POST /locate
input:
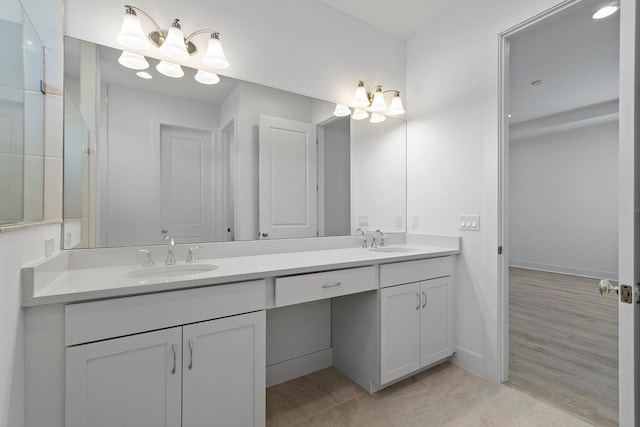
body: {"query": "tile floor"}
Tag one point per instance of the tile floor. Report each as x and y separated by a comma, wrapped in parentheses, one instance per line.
(445, 395)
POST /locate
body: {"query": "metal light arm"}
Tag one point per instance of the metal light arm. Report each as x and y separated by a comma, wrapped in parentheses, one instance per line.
(195, 33)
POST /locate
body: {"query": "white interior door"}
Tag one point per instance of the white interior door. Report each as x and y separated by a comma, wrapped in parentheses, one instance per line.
(186, 184)
(288, 178)
(629, 218)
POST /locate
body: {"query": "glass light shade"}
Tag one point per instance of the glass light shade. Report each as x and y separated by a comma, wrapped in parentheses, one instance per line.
(396, 107)
(174, 46)
(214, 56)
(133, 60)
(144, 75)
(131, 35)
(360, 98)
(605, 11)
(206, 77)
(170, 69)
(378, 103)
(359, 114)
(341, 110)
(377, 118)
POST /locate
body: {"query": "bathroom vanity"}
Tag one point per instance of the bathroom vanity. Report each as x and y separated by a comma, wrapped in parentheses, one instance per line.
(111, 343)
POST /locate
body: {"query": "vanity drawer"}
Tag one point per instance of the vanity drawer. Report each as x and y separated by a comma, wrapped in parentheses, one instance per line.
(414, 271)
(329, 284)
(110, 318)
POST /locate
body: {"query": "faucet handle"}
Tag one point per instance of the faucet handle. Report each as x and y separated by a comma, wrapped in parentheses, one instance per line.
(190, 256)
(148, 261)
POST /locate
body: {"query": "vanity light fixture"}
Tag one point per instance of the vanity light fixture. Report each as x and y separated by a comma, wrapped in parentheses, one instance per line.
(605, 11)
(374, 102)
(171, 43)
(206, 77)
(170, 69)
(133, 61)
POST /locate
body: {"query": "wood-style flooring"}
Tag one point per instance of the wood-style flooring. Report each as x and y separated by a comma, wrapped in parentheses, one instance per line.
(445, 395)
(563, 339)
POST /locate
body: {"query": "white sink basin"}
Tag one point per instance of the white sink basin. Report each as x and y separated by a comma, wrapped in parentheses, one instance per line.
(392, 249)
(171, 270)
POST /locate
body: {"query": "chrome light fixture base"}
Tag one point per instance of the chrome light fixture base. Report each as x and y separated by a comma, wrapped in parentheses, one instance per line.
(158, 38)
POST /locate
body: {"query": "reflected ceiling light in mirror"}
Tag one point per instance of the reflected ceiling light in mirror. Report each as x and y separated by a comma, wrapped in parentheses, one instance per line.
(171, 43)
(396, 108)
(378, 104)
(133, 60)
(377, 118)
(170, 69)
(359, 114)
(144, 75)
(341, 110)
(605, 11)
(206, 77)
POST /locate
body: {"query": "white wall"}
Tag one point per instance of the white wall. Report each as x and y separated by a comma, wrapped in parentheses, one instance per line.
(133, 176)
(451, 100)
(303, 46)
(564, 202)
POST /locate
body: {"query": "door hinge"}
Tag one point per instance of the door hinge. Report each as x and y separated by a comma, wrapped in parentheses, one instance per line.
(499, 250)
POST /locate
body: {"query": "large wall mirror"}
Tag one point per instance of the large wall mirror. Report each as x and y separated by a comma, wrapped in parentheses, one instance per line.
(21, 118)
(221, 162)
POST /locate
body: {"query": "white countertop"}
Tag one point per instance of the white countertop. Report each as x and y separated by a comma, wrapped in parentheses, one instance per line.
(84, 284)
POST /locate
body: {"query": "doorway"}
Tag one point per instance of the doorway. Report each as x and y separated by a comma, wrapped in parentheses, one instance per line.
(560, 200)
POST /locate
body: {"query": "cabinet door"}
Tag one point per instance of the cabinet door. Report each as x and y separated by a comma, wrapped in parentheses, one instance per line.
(436, 321)
(224, 372)
(399, 331)
(126, 382)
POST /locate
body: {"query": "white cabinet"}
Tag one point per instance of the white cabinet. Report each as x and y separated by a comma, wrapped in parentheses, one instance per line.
(415, 326)
(202, 374)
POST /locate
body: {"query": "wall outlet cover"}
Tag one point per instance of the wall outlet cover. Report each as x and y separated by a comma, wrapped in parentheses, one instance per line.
(414, 221)
(49, 246)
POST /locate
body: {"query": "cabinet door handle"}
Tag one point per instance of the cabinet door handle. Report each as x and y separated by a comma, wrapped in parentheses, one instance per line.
(418, 298)
(331, 285)
(424, 304)
(174, 348)
(190, 354)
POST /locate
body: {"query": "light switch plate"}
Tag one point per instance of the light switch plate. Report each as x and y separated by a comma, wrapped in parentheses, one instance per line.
(414, 221)
(363, 221)
(469, 222)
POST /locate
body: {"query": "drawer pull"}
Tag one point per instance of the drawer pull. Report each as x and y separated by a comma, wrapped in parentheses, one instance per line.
(331, 285)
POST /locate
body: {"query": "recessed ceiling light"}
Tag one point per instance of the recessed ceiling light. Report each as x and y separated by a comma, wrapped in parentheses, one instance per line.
(144, 75)
(509, 115)
(605, 11)
(536, 82)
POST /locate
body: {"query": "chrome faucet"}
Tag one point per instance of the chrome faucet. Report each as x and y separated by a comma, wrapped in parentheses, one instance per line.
(170, 245)
(374, 243)
(363, 239)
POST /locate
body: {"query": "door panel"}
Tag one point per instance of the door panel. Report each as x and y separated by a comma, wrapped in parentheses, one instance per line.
(126, 382)
(435, 322)
(288, 178)
(224, 372)
(399, 331)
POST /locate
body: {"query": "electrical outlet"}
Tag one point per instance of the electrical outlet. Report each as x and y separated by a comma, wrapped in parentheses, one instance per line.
(363, 221)
(48, 246)
(67, 240)
(398, 220)
(469, 222)
(414, 221)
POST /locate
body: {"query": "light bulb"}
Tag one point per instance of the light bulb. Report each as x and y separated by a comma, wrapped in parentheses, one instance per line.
(214, 57)
(341, 110)
(133, 60)
(605, 11)
(377, 118)
(360, 98)
(170, 69)
(206, 77)
(378, 103)
(359, 114)
(396, 107)
(131, 35)
(174, 46)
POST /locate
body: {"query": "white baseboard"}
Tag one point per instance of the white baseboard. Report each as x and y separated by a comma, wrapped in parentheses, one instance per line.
(303, 365)
(468, 360)
(563, 269)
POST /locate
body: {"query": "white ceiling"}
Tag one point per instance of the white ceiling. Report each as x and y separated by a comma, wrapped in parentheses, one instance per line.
(575, 56)
(400, 18)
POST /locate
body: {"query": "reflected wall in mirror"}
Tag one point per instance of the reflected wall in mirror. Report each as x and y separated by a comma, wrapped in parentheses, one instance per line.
(222, 162)
(21, 118)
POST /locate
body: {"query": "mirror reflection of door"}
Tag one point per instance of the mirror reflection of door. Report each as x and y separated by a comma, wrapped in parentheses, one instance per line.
(186, 184)
(288, 180)
(563, 216)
